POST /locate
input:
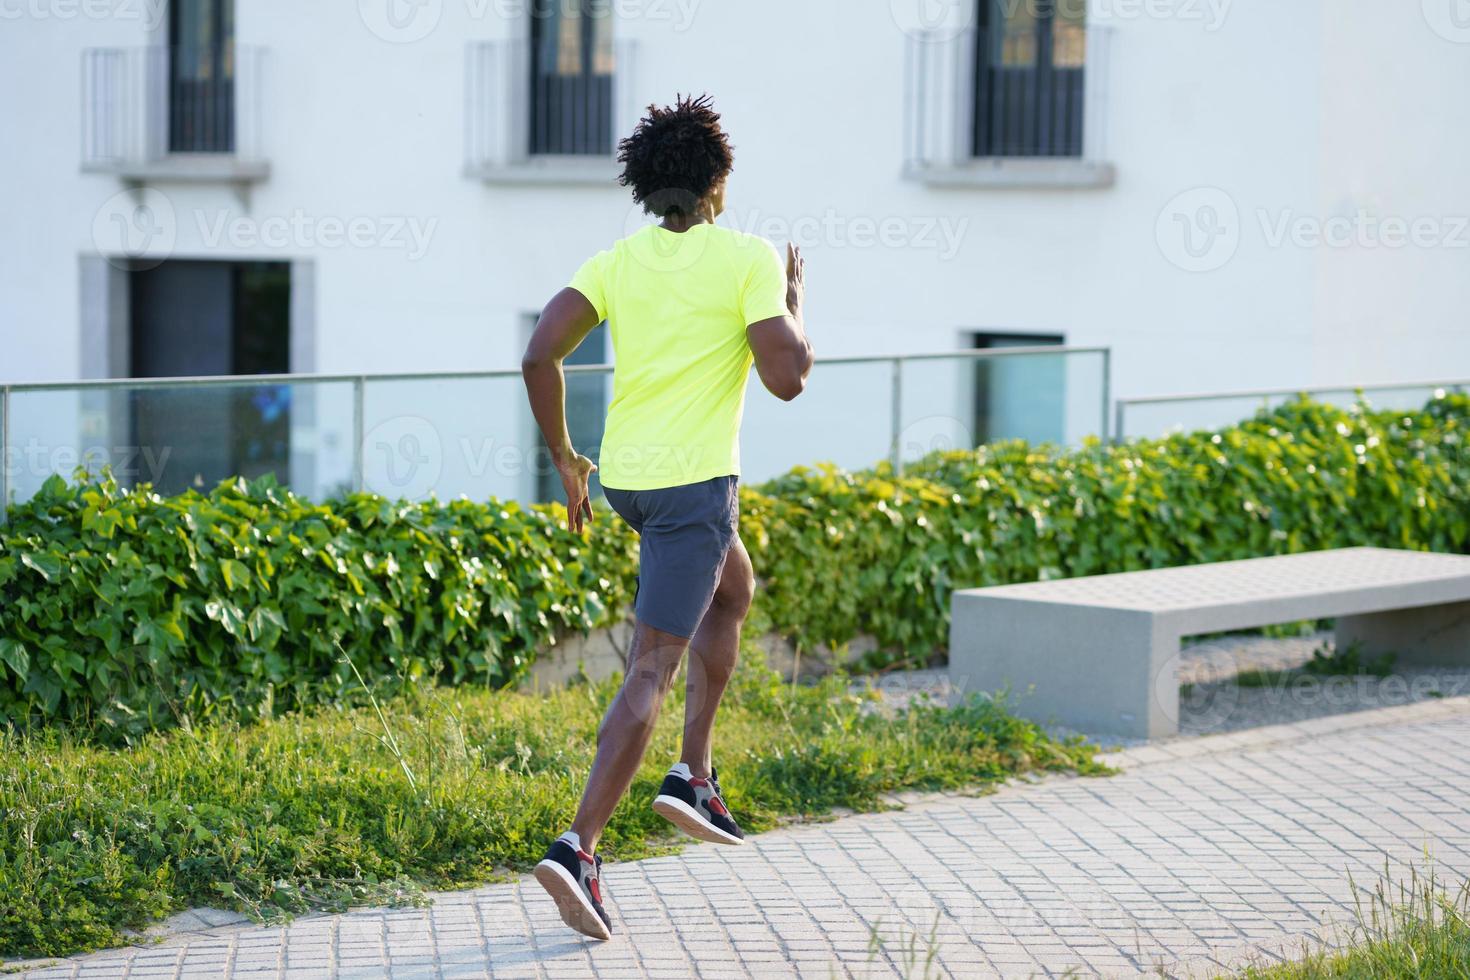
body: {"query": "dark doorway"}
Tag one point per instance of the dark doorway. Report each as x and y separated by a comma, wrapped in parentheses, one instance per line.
(201, 76)
(571, 77)
(204, 319)
(1022, 397)
(1029, 78)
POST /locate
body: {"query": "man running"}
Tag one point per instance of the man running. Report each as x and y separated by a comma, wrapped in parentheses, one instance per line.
(690, 306)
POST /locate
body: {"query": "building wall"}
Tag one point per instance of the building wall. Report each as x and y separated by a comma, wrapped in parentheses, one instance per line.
(1393, 141)
(1309, 110)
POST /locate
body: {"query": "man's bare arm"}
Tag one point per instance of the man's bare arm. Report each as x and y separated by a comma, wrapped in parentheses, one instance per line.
(783, 355)
(565, 323)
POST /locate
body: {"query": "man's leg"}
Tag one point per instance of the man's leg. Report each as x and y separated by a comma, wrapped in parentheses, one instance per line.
(623, 737)
(713, 652)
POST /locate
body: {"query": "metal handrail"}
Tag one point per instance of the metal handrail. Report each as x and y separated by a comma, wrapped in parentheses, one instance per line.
(258, 379)
(1123, 404)
(4, 452)
(359, 383)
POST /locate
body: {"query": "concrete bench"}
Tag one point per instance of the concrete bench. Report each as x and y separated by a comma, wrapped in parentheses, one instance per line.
(1101, 653)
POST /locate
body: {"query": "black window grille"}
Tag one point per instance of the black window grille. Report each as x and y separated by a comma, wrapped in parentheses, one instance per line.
(1030, 78)
(572, 62)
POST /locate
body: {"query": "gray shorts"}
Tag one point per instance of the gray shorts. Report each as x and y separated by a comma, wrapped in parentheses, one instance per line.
(684, 534)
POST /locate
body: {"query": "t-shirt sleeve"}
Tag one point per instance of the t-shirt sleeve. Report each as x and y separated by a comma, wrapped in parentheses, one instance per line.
(764, 295)
(589, 281)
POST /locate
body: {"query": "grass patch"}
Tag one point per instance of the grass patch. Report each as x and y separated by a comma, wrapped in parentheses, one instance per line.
(437, 788)
(1412, 928)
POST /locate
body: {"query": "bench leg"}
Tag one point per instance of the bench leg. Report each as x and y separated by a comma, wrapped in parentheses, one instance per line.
(1093, 670)
(1430, 635)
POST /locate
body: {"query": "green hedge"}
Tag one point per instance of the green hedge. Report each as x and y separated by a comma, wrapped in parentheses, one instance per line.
(133, 610)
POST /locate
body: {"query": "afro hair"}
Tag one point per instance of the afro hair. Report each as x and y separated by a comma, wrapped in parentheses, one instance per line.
(676, 156)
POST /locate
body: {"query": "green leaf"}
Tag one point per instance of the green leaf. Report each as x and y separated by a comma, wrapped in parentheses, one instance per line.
(47, 566)
(266, 626)
(103, 523)
(228, 615)
(234, 573)
(13, 654)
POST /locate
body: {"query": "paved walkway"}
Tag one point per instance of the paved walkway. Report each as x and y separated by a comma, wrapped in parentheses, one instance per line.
(1204, 854)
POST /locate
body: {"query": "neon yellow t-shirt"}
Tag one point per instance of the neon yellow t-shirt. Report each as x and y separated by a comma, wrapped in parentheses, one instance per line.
(677, 305)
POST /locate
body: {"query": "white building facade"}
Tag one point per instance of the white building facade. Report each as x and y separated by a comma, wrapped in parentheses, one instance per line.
(1226, 193)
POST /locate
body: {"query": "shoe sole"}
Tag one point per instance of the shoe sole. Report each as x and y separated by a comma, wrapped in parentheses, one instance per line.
(683, 816)
(575, 910)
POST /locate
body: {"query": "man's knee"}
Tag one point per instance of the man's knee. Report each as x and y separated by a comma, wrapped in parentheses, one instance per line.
(655, 660)
(736, 590)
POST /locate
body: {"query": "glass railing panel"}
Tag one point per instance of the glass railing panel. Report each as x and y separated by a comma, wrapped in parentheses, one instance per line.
(1156, 417)
(177, 436)
(473, 435)
(843, 417)
(964, 402)
(465, 436)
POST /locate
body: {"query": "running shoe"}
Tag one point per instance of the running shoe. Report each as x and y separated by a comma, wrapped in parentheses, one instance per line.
(570, 876)
(697, 807)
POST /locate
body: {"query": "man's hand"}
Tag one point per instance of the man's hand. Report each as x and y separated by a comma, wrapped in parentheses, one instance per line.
(574, 476)
(795, 280)
(567, 319)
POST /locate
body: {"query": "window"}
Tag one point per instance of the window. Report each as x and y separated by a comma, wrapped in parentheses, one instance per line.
(1030, 78)
(586, 414)
(199, 318)
(571, 77)
(1020, 397)
(201, 76)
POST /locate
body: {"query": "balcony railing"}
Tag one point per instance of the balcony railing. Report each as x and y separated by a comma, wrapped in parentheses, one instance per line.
(556, 127)
(157, 111)
(1006, 108)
